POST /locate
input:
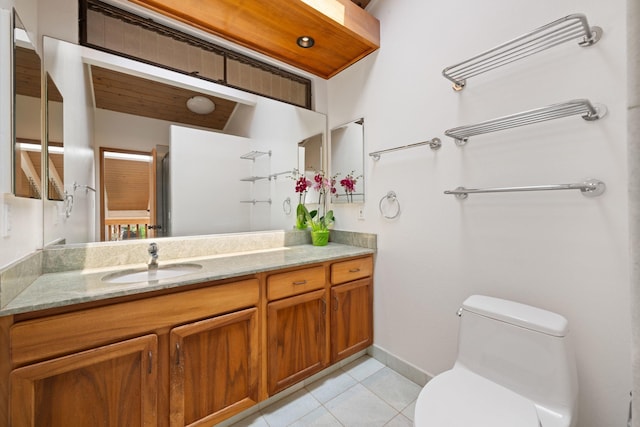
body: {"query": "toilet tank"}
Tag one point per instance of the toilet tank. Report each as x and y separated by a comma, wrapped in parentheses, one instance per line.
(523, 348)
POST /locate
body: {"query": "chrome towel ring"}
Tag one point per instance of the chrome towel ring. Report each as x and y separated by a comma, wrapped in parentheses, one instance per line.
(286, 206)
(391, 198)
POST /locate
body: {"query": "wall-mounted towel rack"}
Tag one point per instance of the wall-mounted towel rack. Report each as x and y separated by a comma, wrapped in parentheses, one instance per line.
(588, 188)
(252, 155)
(253, 202)
(434, 144)
(253, 178)
(584, 107)
(557, 32)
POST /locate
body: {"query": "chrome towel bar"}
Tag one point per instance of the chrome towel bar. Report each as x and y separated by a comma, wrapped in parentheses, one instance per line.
(584, 107)
(253, 202)
(557, 32)
(434, 144)
(588, 188)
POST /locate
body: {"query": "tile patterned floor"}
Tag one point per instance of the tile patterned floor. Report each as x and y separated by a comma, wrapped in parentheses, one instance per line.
(362, 393)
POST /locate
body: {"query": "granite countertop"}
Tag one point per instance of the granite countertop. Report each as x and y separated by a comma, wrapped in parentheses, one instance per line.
(60, 289)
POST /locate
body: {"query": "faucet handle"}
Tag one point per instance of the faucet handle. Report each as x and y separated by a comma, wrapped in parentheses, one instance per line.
(153, 249)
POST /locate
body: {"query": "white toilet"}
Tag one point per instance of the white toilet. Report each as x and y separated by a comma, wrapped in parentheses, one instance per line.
(515, 368)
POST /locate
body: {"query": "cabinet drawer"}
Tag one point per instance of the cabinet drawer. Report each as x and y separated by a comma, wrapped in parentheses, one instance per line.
(347, 271)
(295, 282)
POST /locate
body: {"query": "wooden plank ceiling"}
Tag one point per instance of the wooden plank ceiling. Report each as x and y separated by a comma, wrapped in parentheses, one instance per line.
(343, 32)
(142, 97)
(27, 75)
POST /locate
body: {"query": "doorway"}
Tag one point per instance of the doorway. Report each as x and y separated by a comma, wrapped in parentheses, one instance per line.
(127, 194)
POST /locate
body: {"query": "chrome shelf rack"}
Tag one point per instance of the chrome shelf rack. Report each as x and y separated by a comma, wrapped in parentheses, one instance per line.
(565, 29)
(588, 188)
(588, 111)
(433, 143)
(277, 174)
(252, 155)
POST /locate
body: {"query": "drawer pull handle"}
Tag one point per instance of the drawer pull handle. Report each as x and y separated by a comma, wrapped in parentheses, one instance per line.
(354, 270)
(300, 282)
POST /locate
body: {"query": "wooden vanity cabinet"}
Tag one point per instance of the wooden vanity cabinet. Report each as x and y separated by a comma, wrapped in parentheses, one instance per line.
(113, 385)
(214, 368)
(303, 335)
(116, 365)
(296, 326)
(351, 307)
(190, 357)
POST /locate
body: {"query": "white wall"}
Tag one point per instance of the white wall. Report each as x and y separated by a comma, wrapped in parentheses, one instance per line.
(205, 173)
(556, 250)
(63, 62)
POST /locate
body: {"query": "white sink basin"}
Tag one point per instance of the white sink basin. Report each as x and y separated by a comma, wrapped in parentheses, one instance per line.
(146, 275)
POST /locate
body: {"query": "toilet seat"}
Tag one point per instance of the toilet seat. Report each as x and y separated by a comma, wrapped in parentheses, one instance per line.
(460, 398)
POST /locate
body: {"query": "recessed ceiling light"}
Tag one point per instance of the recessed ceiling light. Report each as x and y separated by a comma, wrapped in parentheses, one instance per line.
(200, 105)
(305, 41)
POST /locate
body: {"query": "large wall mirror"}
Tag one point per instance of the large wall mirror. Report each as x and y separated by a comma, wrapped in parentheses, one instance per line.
(27, 147)
(217, 181)
(55, 141)
(347, 162)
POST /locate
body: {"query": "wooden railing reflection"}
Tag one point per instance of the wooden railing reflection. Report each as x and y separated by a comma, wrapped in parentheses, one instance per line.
(126, 228)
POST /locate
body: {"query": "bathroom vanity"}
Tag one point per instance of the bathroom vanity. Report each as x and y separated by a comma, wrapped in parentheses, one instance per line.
(192, 350)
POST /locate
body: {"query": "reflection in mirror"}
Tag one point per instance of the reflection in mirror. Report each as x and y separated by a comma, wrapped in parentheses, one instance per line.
(55, 144)
(310, 162)
(116, 105)
(27, 151)
(126, 194)
(347, 162)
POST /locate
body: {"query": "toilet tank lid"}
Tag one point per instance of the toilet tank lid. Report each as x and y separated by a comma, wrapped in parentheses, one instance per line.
(518, 314)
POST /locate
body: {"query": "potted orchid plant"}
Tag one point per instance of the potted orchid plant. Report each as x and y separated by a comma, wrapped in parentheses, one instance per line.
(302, 186)
(318, 223)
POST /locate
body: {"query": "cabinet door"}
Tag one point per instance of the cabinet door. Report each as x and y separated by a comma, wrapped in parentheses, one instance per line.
(109, 386)
(214, 368)
(296, 339)
(351, 318)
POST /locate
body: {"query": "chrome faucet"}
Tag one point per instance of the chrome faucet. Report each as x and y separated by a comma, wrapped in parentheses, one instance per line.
(153, 261)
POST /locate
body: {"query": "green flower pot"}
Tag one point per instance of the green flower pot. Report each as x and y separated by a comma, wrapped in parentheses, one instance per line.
(320, 238)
